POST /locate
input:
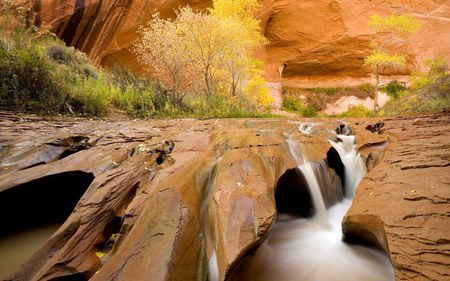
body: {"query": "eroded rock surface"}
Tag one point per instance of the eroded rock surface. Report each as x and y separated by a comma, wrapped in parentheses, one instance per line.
(403, 204)
(211, 193)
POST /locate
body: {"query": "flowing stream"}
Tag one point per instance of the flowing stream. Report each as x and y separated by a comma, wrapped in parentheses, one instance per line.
(299, 249)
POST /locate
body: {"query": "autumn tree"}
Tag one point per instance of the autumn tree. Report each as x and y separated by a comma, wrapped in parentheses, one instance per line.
(207, 52)
(388, 30)
(160, 50)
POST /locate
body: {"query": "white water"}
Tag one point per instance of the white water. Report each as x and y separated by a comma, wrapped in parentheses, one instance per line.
(355, 169)
(305, 250)
(316, 194)
(213, 268)
(312, 249)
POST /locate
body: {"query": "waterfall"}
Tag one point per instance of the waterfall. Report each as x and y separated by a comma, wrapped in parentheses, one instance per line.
(314, 189)
(206, 224)
(355, 169)
(300, 249)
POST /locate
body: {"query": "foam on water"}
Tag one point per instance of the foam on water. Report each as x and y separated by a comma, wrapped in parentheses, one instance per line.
(305, 250)
(355, 168)
(300, 249)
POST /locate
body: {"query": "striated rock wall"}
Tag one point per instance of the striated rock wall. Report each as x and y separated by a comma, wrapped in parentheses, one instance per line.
(311, 41)
(314, 41)
(328, 40)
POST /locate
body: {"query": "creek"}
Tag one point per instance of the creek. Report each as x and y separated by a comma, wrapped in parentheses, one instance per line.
(313, 249)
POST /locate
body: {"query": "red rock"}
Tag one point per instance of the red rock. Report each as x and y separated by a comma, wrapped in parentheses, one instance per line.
(311, 41)
(215, 192)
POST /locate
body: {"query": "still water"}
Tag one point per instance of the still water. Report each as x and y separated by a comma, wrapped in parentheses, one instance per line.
(16, 248)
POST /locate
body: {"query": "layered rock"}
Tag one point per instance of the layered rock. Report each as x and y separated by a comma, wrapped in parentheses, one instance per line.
(151, 209)
(402, 205)
(310, 41)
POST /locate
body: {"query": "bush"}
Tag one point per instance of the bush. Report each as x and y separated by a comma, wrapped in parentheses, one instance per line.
(59, 54)
(27, 81)
(429, 98)
(358, 111)
(394, 88)
(437, 66)
(292, 104)
(309, 111)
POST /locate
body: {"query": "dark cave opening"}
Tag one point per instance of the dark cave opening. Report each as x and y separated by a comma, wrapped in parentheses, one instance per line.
(292, 195)
(47, 200)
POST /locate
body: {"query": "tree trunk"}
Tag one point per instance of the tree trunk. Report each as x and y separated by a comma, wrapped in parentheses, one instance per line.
(376, 107)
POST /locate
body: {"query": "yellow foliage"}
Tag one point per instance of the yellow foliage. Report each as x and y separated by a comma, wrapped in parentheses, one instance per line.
(400, 23)
(206, 52)
(380, 58)
(256, 89)
(234, 8)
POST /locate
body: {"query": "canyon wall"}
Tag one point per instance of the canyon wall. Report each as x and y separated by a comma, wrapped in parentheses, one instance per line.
(311, 41)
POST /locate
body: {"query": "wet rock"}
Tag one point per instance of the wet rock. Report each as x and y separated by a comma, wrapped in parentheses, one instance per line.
(213, 195)
(401, 206)
(344, 129)
(375, 128)
(334, 161)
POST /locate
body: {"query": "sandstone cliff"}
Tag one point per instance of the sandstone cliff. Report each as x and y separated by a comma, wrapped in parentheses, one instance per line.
(311, 41)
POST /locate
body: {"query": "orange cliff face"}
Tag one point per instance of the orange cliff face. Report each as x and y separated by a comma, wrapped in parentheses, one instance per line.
(310, 40)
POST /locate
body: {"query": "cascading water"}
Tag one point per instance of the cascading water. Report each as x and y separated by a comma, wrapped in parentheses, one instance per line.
(300, 249)
(355, 169)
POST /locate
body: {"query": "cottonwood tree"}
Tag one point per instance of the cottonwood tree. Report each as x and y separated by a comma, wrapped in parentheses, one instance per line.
(395, 26)
(206, 52)
(160, 50)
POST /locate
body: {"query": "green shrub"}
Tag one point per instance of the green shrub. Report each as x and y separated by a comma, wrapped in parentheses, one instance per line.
(331, 91)
(59, 54)
(358, 111)
(309, 111)
(366, 87)
(437, 66)
(394, 88)
(291, 104)
(27, 81)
